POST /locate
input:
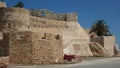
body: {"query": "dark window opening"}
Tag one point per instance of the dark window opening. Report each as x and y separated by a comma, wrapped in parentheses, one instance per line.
(9, 25)
(57, 37)
(28, 26)
(42, 37)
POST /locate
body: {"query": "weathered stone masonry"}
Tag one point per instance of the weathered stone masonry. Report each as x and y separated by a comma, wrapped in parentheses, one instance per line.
(40, 39)
(30, 48)
(108, 42)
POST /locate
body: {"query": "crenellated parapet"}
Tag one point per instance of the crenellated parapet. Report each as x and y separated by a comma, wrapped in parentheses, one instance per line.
(71, 17)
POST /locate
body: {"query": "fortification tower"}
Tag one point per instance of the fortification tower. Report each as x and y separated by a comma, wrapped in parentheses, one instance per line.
(14, 19)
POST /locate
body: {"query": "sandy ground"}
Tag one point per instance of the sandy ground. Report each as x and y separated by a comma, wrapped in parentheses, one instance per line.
(96, 63)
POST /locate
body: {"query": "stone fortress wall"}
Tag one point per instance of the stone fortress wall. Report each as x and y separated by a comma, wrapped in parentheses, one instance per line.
(17, 42)
(14, 19)
(30, 48)
(41, 39)
(108, 42)
(76, 33)
(52, 15)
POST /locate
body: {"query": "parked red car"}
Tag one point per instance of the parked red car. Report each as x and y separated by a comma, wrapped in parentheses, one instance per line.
(72, 58)
(69, 57)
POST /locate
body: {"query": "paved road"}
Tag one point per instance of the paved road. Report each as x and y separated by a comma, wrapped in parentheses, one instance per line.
(99, 63)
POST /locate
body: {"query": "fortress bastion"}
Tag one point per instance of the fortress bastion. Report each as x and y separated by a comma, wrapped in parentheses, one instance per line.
(41, 36)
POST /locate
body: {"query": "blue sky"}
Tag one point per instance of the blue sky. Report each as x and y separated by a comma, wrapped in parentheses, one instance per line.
(88, 11)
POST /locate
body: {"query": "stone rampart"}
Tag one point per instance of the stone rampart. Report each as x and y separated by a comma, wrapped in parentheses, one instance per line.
(43, 25)
(14, 19)
(100, 40)
(30, 48)
(52, 15)
(77, 47)
(98, 50)
(36, 22)
(50, 26)
(41, 39)
(20, 47)
(108, 42)
(47, 50)
(76, 39)
(69, 30)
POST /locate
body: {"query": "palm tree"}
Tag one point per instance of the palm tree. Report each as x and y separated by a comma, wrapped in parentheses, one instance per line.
(19, 4)
(100, 28)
